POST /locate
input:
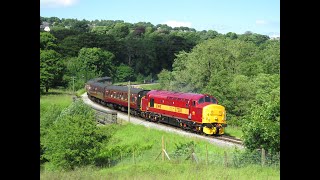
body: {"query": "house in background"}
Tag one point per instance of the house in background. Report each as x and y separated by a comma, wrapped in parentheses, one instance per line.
(45, 26)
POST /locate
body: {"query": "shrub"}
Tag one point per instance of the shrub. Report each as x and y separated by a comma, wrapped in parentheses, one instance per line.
(74, 139)
(261, 129)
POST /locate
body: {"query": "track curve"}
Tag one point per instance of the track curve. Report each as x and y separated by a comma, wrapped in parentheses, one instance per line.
(218, 140)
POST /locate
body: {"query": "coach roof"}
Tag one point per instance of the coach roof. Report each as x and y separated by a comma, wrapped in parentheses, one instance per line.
(124, 89)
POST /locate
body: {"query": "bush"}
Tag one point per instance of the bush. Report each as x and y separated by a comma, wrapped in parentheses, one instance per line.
(184, 149)
(48, 114)
(261, 129)
(74, 138)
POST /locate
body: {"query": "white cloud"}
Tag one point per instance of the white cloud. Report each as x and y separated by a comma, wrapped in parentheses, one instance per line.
(273, 34)
(178, 24)
(261, 22)
(57, 3)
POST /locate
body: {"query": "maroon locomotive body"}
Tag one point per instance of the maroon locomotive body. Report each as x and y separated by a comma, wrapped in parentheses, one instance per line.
(197, 112)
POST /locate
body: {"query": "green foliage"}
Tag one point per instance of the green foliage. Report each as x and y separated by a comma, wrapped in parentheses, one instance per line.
(140, 78)
(47, 41)
(120, 30)
(231, 35)
(47, 118)
(271, 57)
(165, 79)
(62, 33)
(193, 71)
(95, 62)
(261, 128)
(258, 39)
(51, 67)
(243, 158)
(73, 139)
(124, 73)
(242, 95)
(80, 26)
(51, 106)
(184, 149)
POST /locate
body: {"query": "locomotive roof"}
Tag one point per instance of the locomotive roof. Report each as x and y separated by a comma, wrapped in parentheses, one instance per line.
(182, 95)
(124, 88)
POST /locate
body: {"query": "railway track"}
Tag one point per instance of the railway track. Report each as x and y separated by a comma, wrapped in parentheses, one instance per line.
(102, 116)
(230, 139)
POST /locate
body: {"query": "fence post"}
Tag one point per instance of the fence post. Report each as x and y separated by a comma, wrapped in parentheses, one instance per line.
(162, 148)
(206, 154)
(133, 156)
(263, 157)
(225, 159)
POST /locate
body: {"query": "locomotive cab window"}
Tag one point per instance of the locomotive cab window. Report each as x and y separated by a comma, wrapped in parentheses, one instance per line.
(201, 100)
(207, 99)
(193, 103)
(151, 102)
(214, 101)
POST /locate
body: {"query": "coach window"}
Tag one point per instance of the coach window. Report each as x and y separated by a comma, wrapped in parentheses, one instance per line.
(151, 102)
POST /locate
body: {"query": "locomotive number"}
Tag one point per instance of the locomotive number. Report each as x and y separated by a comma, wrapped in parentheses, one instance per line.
(158, 106)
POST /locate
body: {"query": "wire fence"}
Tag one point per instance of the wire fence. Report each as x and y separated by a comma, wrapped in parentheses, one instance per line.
(190, 153)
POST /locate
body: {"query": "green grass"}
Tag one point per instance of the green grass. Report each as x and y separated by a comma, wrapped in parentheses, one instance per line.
(80, 92)
(135, 149)
(151, 86)
(233, 131)
(167, 171)
(55, 97)
(139, 147)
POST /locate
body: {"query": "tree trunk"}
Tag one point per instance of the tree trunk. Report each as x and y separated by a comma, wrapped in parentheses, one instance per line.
(47, 89)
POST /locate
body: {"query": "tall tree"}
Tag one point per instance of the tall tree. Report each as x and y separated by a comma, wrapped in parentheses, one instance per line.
(96, 62)
(51, 67)
(47, 41)
(81, 26)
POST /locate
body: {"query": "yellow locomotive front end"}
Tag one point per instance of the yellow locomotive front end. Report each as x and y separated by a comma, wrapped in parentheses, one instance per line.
(214, 119)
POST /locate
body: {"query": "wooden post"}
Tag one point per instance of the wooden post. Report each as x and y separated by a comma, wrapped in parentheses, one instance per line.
(225, 159)
(263, 157)
(133, 156)
(73, 85)
(206, 154)
(162, 148)
(129, 97)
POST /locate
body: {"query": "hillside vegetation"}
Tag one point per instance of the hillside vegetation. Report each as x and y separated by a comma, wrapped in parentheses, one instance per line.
(113, 153)
(241, 70)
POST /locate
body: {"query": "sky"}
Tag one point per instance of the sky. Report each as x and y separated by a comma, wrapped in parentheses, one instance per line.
(223, 16)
